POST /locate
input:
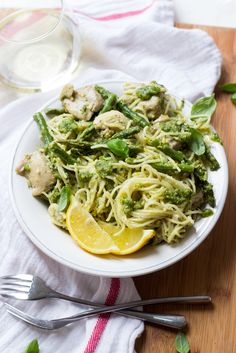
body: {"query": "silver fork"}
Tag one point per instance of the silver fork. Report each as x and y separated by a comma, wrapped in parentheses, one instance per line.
(29, 287)
(173, 321)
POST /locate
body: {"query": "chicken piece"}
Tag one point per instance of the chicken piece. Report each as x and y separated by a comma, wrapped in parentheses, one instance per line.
(81, 103)
(58, 218)
(111, 122)
(36, 169)
(153, 107)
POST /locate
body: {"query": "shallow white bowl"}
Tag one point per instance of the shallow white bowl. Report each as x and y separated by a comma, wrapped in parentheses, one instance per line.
(34, 219)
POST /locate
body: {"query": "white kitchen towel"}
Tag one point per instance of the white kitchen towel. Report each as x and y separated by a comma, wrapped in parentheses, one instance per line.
(121, 40)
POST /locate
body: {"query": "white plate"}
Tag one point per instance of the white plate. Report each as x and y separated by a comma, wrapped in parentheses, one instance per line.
(34, 219)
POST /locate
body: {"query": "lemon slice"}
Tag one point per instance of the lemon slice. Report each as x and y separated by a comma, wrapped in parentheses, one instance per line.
(101, 238)
(86, 232)
(129, 240)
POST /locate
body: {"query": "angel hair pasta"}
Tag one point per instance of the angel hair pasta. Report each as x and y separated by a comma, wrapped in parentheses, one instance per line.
(134, 161)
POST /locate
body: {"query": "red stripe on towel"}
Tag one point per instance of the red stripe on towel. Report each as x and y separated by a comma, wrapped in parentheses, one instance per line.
(104, 318)
(117, 16)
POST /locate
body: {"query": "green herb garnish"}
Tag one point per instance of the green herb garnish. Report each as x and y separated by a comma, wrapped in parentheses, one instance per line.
(181, 343)
(118, 147)
(33, 347)
(64, 199)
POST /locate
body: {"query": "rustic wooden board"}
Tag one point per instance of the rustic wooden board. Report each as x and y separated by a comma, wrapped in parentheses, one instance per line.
(211, 269)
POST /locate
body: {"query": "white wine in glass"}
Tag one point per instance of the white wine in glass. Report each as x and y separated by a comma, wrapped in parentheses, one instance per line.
(39, 47)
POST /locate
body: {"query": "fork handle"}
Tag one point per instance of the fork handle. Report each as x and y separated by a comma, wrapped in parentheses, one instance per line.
(198, 299)
(173, 321)
(166, 320)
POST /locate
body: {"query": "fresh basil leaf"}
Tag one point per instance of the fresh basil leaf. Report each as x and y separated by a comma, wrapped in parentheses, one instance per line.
(233, 98)
(33, 347)
(118, 147)
(204, 107)
(181, 343)
(64, 199)
(229, 87)
(196, 143)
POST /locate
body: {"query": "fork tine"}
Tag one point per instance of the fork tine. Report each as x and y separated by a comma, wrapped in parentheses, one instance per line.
(21, 296)
(15, 288)
(23, 277)
(15, 283)
(27, 318)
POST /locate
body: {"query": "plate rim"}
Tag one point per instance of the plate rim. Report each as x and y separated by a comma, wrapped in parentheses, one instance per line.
(81, 268)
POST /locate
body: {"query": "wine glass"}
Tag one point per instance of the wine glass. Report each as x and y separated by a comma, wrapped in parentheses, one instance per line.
(39, 45)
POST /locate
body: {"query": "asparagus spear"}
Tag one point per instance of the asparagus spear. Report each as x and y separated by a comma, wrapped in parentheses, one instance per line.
(87, 132)
(110, 99)
(211, 160)
(126, 133)
(168, 168)
(123, 108)
(176, 155)
(46, 137)
(59, 152)
(137, 118)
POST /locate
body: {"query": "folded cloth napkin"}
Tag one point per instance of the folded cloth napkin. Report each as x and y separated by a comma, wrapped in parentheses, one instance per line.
(121, 41)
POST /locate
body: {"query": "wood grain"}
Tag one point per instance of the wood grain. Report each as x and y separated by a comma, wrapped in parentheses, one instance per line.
(211, 269)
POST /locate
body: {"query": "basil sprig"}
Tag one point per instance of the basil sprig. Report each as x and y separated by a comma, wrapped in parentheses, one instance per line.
(233, 98)
(33, 347)
(181, 343)
(196, 142)
(64, 199)
(230, 88)
(118, 147)
(203, 108)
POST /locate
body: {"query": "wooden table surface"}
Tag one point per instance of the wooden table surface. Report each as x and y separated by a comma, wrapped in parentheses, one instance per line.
(210, 269)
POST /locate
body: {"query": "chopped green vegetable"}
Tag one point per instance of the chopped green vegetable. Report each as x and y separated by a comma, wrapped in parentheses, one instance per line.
(171, 126)
(87, 132)
(229, 87)
(196, 143)
(52, 112)
(64, 199)
(176, 155)
(85, 175)
(181, 343)
(178, 196)
(109, 103)
(169, 168)
(126, 133)
(33, 347)
(204, 107)
(146, 92)
(118, 147)
(211, 160)
(207, 213)
(233, 98)
(130, 205)
(137, 118)
(200, 171)
(216, 138)
(208, 193)
(26, 167)
(67, 125)
(62, 154)
(45, 135)
(103, 167)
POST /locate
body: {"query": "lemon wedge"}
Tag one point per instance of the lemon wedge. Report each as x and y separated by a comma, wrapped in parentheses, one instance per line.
(129, 240)
(100, 237)
(86, 232)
